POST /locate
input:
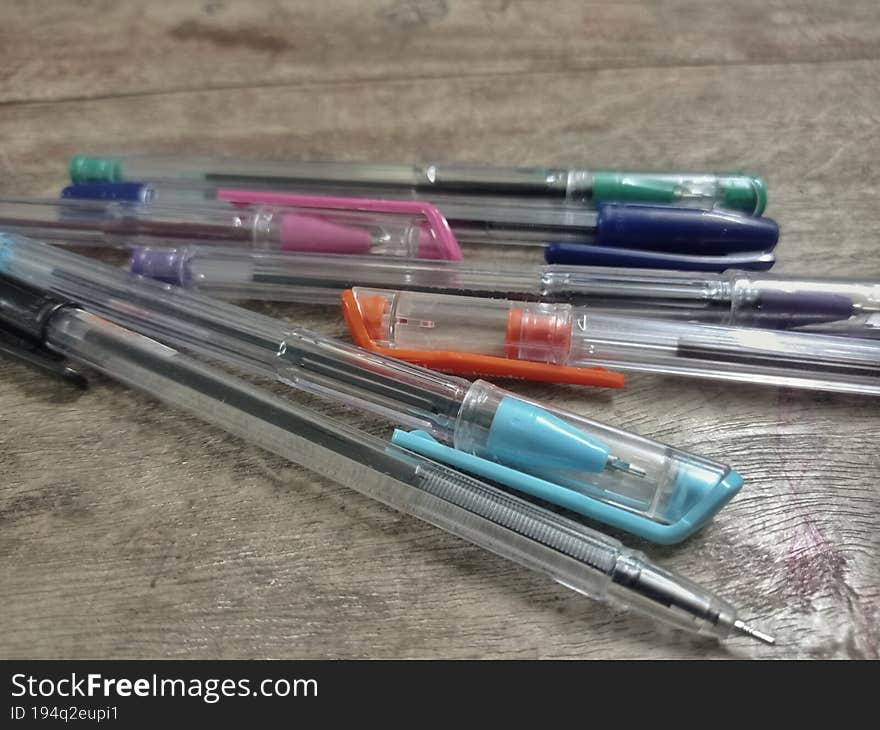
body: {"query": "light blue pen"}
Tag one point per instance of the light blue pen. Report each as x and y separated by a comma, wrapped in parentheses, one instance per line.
(624, 480)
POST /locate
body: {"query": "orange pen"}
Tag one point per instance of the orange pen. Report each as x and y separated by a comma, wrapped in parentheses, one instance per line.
(483, 341)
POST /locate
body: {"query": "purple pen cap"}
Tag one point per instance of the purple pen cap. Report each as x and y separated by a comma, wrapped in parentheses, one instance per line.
(170, 265)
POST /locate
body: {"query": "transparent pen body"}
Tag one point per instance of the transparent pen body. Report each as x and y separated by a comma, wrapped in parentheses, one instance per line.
(579, 337)
(302, 228)
(652, 478)
(581, 559)
(769, 301)
(735, 191)
(520, 223)
(486, 220)
(741, 298)
(836, 305)
(511, 221)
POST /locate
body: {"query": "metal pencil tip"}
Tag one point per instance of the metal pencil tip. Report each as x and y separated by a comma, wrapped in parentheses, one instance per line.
(618, 464)
(743, 628)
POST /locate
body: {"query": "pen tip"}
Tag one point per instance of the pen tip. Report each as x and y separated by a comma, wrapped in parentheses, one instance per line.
(615, 462)
(741, 627)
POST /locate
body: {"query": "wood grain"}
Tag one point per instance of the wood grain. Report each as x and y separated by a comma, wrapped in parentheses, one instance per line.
(130, 530)
(101, 48)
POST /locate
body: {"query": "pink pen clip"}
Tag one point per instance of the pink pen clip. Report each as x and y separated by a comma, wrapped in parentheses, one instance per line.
(436, 239)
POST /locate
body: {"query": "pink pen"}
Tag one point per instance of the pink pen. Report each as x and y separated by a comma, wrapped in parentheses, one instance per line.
(132, 215)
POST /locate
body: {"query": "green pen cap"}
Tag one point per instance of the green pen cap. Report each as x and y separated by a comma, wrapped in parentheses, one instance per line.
(85, 169)
(743, 193)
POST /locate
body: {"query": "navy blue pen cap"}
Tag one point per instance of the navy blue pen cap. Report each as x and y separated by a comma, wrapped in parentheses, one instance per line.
(578, 254)
(134, 192)
(683, 230)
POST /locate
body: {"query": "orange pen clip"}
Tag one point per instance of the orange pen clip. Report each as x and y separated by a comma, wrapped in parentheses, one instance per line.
(364, 318)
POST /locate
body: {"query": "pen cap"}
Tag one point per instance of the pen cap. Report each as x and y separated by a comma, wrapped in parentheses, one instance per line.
(112, 169)
(132, 192)
(426, 234)
(683, 230)
(169, 265)
(496, 327)
(288, 222)
(570, 254)
(291, 223)
(429, 330)
(744, 193)
(84, 168)
(227, 271)
(665, 485)
(138, 192)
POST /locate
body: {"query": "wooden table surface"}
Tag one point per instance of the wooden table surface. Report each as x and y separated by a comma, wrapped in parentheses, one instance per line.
(130, 530)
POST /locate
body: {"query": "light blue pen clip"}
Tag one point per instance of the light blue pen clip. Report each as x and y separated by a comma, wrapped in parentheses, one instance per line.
(665, 511)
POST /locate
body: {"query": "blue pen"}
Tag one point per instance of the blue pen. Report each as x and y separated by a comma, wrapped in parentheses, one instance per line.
(579, 255)
(651, 482)
(526, 223)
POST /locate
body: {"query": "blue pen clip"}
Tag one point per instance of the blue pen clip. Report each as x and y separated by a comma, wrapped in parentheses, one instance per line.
(579, 254)
(695, 500)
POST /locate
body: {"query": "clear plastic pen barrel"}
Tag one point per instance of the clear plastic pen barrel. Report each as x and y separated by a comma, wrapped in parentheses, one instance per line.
(835, 306)
(507, 221)
(579, 337)
(774, 301)
(233, 274)
(518, 223)
(262, 227)
(735, 191)
(613, 465)
(577, 557)
(790, 359)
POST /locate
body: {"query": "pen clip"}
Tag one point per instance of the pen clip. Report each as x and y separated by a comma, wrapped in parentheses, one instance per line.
(467, 363)
(580, 254)
(35, 355)
(697, 501)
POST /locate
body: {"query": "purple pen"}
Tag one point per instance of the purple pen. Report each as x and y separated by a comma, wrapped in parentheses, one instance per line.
(735, 297)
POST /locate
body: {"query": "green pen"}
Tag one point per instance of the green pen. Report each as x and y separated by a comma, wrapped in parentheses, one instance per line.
(437, 184)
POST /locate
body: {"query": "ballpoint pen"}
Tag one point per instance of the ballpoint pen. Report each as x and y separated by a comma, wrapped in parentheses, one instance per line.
(734, 191)
(625, 480)
(579, 558)
(735, 297)
(328, 225)
(660, 228)
(441, 330)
